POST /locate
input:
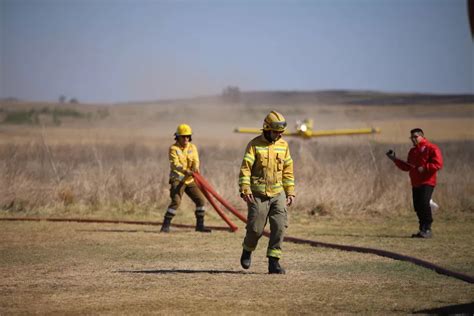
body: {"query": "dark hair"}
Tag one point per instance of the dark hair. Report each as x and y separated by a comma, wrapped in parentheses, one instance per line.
(418, 131)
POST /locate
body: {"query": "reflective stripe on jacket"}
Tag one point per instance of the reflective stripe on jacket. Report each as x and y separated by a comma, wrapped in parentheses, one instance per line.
(426, 155)
(182, 159)
(267, 168)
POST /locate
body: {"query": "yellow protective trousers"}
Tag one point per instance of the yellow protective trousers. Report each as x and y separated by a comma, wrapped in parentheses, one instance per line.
(271, 209)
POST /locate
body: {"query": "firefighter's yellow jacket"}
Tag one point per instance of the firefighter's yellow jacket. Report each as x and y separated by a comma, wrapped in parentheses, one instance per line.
(182, 159)
(267, 168)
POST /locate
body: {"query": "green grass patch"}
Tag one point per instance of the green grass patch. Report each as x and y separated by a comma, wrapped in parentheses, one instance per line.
(22, 117)
(47, 115)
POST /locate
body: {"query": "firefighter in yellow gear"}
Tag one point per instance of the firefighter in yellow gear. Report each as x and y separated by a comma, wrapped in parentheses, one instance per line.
(267, 185)
(184, 160)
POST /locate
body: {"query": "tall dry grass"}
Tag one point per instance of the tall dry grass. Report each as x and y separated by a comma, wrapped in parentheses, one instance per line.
(359, 179)
(116, 180)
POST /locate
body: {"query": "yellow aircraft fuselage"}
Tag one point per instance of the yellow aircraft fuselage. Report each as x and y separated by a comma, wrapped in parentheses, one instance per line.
(305, 130)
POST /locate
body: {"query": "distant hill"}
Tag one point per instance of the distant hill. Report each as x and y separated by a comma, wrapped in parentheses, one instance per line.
(321, 97)
(346, 97)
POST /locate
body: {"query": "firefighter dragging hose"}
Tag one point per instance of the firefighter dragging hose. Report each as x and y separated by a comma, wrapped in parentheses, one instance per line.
(184, 160)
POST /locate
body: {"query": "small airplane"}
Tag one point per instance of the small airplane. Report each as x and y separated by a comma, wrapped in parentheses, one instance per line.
(304, 129)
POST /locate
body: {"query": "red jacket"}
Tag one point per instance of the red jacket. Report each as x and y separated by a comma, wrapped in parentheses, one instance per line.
(426, 155)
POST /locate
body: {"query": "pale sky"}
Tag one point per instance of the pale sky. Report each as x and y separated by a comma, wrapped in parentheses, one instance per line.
(142, 50)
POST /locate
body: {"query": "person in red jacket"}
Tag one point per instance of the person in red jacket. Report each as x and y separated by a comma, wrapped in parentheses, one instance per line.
(423, 162)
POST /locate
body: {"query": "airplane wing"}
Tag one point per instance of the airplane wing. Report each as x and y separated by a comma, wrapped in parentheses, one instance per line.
(340, 132)
(249, 130)
(246, 130)
(286, 133)
(319, 133)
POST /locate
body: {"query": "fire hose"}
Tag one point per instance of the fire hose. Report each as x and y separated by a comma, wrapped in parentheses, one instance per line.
(207, 188)
(209, 193)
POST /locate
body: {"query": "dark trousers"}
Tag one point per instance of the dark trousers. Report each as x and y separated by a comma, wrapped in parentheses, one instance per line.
(176, 193)
(421, 203)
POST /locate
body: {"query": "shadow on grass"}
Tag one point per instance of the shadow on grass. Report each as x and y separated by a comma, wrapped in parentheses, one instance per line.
(364, 235)
(117, 231)
(173, 271)
(157, 232)
(460, 309)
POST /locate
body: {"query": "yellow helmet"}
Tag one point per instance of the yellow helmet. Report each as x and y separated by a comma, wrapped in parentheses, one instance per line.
(184, 130)
(274, 122)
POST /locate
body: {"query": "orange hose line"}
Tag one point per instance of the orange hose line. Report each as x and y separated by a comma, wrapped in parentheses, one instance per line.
(101, 221)
(232, 226)
(209, 188)
(384, 253)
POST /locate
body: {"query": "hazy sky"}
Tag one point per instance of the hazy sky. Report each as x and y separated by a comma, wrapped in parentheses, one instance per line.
(120, 50)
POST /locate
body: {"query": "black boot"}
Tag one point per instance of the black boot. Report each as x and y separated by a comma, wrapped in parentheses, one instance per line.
(274, 266)
(200, 225)
(246, 259)
(418, 234)
(165, 228)
(425, 232)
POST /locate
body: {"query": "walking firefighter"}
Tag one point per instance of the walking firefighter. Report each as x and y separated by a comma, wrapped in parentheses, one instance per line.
(184, 160)
(267, 185)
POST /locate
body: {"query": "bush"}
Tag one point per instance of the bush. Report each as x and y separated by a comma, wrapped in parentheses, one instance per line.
(32, 117)
(22, 117)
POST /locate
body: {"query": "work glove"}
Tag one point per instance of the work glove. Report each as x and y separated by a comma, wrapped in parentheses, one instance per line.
(391, 154)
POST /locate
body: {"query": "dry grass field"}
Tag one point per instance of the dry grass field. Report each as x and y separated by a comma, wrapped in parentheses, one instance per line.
(110, 162)
(68, 268)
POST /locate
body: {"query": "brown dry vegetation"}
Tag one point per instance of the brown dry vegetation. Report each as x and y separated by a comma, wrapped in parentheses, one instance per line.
(132, 179)
(116, 167)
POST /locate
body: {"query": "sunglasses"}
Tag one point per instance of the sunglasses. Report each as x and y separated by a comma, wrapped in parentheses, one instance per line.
(278, 126)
